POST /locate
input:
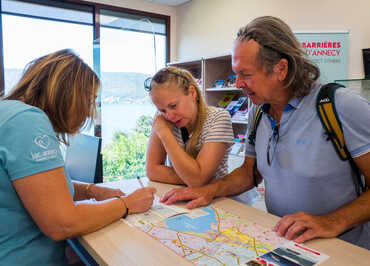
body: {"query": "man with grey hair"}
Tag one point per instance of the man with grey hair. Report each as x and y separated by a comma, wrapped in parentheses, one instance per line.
(306, 182)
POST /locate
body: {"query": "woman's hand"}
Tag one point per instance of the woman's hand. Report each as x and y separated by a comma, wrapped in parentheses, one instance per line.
(103, 193)
(140, 200)
(161, 124)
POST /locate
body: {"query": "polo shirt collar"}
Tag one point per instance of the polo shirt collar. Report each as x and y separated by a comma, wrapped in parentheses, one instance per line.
(292, 104)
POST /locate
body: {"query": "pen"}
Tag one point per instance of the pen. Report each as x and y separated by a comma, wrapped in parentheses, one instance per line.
(139, 180)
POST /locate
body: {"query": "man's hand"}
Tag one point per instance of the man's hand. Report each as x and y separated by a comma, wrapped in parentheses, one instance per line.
(302, 226)
(199, 196)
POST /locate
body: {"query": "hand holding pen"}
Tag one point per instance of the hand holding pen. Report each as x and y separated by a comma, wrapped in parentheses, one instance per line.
(141, 199)
(139, 180)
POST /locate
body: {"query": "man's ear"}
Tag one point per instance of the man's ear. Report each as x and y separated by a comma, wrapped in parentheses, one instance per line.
(281, 69)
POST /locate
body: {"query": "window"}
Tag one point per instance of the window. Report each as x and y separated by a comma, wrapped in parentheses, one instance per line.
(132, 48)
(123, 46)
(31, 30)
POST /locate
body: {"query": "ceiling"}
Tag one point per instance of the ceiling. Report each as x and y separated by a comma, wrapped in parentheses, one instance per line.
(169, 2)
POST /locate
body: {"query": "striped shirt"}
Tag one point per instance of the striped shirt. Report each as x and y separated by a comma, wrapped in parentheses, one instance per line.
(216, 128)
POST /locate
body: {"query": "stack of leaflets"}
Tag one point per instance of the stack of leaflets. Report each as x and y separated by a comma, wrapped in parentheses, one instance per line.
(230, 82)
(237, 107)
(225, 101)
(234, 106)
(218, 84)
(242, 113)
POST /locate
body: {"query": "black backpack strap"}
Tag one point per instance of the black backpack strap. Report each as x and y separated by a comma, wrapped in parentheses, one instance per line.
(256, 121)
(252, 140)
(325, 105)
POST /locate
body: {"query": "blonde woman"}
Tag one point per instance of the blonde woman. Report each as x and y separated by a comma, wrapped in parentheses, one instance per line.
(52, 100)
(195, 138)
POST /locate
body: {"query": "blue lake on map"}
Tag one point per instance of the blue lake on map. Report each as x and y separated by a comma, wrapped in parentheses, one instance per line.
(198, 225)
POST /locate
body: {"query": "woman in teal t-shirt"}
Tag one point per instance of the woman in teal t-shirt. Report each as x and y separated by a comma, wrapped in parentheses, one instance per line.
(52, 101)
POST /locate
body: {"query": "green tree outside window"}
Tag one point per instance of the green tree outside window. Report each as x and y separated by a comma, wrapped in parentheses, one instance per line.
(124, 158)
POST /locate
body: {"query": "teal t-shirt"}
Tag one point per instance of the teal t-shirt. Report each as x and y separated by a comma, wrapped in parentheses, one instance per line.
(28, 145)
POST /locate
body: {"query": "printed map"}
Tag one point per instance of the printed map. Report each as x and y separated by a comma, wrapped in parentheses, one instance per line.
(214, 238)
(211, 236)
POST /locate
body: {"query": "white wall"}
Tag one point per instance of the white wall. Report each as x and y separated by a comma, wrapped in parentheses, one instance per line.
(153, 8)
(208, 27)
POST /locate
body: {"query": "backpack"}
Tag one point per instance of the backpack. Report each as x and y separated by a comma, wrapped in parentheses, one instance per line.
(325, 106)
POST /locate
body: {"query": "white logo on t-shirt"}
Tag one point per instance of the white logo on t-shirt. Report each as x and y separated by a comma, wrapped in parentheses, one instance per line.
(42, 141)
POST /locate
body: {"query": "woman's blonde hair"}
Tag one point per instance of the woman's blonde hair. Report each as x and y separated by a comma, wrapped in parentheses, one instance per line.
(61, 85)
(183, 79)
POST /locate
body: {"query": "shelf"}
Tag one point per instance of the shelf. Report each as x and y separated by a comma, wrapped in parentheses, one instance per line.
(210, 69)
(224, 89)
(193, 66)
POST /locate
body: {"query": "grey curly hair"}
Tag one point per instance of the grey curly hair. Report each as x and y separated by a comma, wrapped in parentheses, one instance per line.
(277, 41)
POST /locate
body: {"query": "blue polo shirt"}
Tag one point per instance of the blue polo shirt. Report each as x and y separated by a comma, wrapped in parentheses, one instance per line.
(28, 146)
(306, 174)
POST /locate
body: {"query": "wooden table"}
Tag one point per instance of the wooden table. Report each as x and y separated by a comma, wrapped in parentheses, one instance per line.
(120, 244)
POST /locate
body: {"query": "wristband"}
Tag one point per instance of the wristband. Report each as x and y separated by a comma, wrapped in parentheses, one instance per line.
(124, 203)
(87, 189)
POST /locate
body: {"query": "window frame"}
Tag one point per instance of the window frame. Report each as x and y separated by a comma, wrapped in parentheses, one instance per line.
(96, 7)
